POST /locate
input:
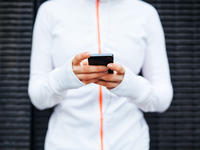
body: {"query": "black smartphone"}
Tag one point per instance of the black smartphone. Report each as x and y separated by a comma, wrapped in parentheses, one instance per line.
(101, 59)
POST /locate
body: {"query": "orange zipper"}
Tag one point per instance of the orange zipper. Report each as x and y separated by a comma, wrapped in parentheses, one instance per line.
(100, 87)
(98, 27)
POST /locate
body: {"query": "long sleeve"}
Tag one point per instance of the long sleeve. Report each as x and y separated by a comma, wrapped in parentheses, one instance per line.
(153, 91)
(47, 85)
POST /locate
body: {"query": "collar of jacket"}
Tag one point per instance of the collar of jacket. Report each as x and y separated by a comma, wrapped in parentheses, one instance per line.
(105, 0)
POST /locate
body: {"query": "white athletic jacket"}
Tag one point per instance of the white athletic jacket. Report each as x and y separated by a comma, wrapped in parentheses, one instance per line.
(132, 31)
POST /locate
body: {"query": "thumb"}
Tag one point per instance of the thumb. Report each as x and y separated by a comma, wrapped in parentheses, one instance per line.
(116, 67)
(79, 57)
(85, 62)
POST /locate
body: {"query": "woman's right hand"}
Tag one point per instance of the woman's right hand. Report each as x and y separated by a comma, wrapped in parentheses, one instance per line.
(84, 72)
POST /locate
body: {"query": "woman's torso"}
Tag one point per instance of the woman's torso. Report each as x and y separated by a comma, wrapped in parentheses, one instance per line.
(75, 122)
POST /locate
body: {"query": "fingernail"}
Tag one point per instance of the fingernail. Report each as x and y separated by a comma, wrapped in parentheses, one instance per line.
(109, 65)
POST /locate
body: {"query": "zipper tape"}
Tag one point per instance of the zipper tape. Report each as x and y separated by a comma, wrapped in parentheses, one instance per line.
(100, 87)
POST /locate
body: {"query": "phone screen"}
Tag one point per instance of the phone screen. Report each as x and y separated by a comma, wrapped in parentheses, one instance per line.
(101, 59)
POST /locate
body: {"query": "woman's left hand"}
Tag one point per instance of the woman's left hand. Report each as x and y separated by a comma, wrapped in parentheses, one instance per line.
(111, 81)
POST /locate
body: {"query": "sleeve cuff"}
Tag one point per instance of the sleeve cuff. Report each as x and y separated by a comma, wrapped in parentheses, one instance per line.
(132, 86)
(63, 78)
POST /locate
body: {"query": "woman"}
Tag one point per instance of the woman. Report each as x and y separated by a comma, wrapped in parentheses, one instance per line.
(95, 110)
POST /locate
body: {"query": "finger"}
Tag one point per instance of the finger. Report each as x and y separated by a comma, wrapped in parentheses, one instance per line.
(85, 62)
(89, 81)
(90, 76)
(116, 67)
(79, 57)
(112, 77)
(107, 84)
(89, 69)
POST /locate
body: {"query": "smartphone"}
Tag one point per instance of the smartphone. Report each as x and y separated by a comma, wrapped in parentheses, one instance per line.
(101, 59)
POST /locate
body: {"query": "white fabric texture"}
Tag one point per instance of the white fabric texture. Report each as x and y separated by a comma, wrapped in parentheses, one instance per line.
(132, 31)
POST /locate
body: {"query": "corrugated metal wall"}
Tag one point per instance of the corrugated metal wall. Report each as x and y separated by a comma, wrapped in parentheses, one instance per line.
(16, 19)
(23, 128)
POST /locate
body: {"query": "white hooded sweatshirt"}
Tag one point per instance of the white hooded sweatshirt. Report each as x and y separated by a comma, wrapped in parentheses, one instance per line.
(132, 31)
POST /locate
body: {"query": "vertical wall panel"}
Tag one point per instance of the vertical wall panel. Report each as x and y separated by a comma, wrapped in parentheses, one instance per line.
(15, 41)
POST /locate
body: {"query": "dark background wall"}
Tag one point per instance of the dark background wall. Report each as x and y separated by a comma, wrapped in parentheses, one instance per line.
(22, 127)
